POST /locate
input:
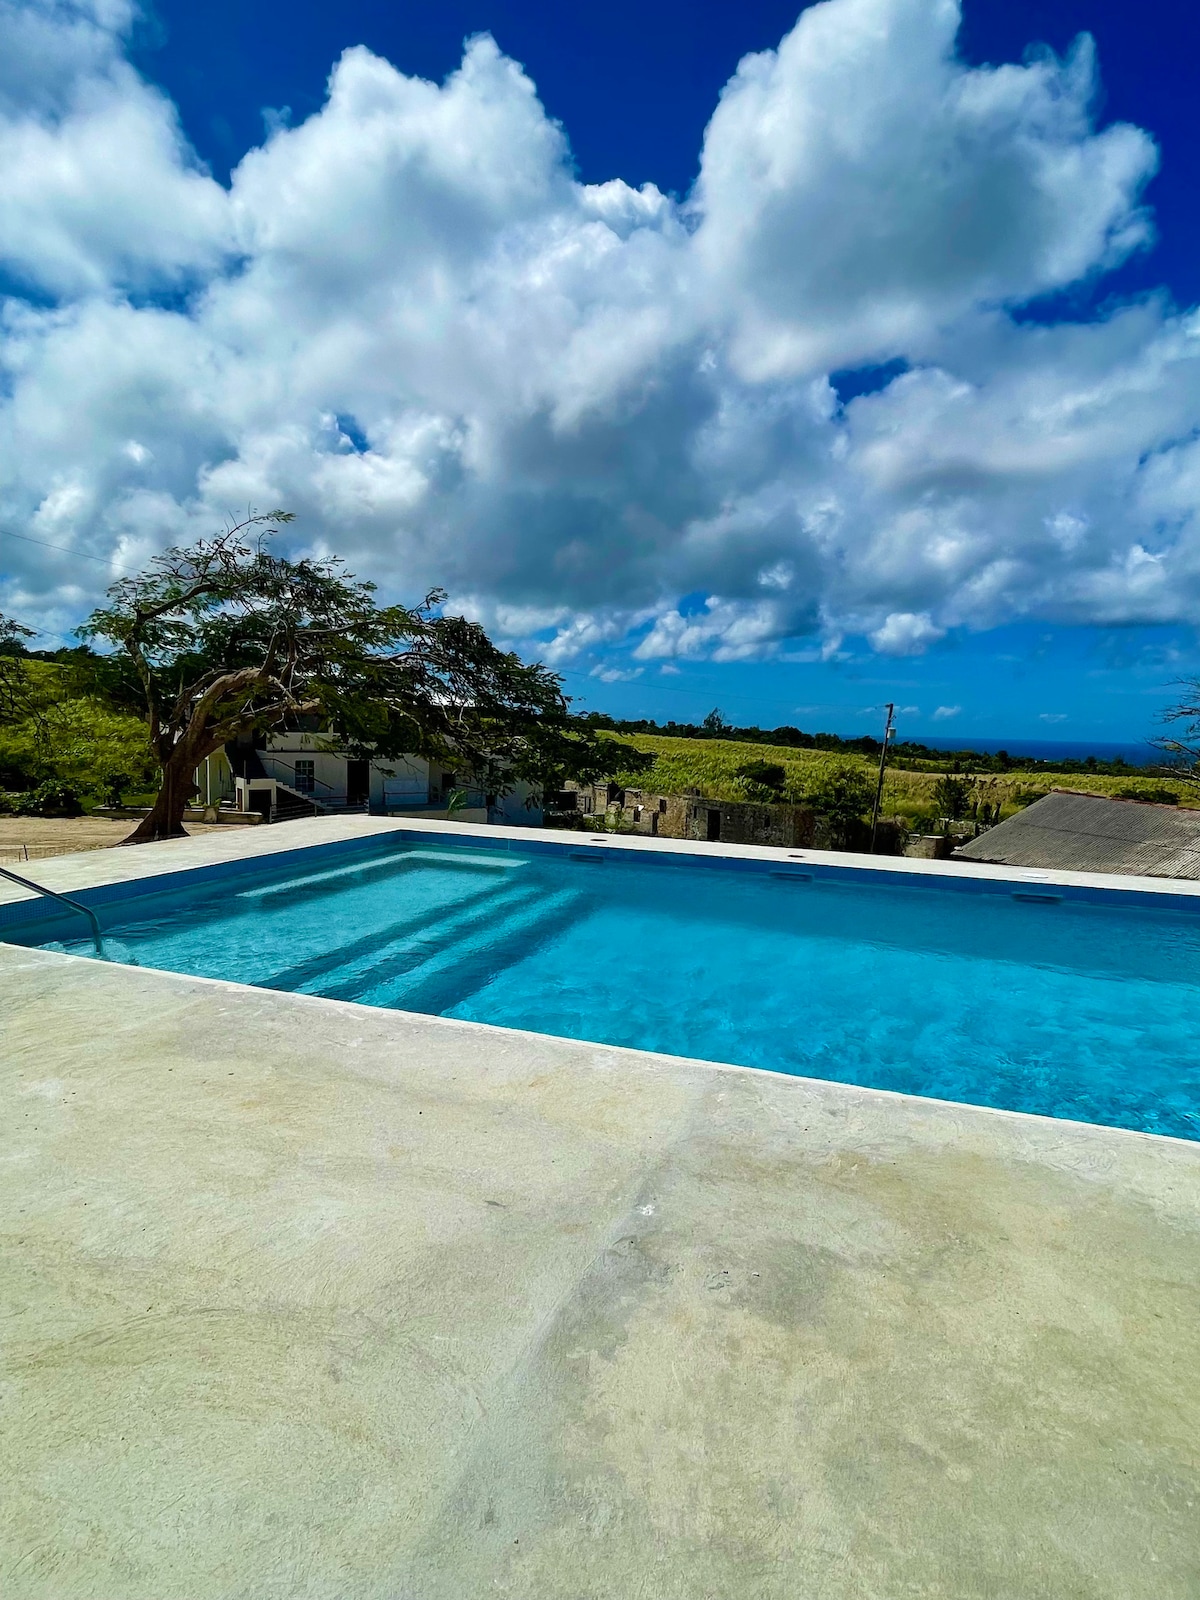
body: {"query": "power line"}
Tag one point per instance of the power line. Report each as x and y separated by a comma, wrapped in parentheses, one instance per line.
(45, 633)
(49, 633)
(62, 549)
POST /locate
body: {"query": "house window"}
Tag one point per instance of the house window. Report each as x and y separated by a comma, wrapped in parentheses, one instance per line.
(662, 806)
(637, 813)
(306, 776)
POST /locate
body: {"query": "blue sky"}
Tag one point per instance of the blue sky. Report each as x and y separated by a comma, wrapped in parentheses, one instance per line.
(635, 84)
(861, 369)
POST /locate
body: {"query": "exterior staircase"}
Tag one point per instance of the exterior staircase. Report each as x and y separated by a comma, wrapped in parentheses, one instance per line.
(291, 803)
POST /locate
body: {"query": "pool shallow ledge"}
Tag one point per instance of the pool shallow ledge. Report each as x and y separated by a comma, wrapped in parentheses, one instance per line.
(305, 1297)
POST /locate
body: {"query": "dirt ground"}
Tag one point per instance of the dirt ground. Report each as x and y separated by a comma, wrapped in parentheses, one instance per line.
(45, 836)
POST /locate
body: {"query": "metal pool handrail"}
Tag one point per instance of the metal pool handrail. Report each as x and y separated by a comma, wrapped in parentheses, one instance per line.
(86, 911)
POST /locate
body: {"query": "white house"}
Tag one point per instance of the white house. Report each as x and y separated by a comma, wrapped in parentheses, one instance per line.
(294, 771)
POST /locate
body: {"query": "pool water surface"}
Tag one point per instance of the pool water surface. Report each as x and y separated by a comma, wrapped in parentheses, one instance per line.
(1058, 1006)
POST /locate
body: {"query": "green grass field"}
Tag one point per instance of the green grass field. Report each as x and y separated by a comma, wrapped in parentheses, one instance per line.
(710, 765)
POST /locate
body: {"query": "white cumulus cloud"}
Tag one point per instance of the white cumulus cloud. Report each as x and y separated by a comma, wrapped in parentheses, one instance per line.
(906, 633)
(604, 419)
(860, 189)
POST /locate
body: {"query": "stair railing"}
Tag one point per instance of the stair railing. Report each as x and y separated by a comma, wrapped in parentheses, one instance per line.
(321, 794)
(75, 905)
(269, 761)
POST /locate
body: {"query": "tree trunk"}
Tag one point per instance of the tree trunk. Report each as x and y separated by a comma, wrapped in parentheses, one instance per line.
(166, 814)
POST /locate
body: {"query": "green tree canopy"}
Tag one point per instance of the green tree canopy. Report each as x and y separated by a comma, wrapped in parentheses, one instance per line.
(842, 793)
(16, 701)
(762, 780)
(951, 797)
(225, 637)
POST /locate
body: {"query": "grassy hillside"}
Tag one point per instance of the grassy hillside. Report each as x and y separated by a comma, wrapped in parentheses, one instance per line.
(73, 740)
(710, 765)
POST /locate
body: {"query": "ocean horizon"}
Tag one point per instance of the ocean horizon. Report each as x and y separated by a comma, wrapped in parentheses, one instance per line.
(1137, 752)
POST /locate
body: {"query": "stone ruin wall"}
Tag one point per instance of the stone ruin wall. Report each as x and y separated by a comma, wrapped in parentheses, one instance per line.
(689, 816)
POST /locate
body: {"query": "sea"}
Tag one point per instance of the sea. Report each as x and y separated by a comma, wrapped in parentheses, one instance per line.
(1137, 754)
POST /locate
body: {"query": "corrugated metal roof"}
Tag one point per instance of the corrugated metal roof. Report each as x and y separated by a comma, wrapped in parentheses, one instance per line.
(1091, 833)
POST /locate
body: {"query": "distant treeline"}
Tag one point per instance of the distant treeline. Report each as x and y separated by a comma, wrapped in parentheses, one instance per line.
(905, 753)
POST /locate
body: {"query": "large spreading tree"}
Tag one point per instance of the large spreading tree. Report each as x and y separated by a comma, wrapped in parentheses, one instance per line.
(1182, 744)
(226, 637)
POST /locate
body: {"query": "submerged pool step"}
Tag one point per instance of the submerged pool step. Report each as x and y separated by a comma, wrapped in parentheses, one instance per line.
(400, 861)
(468, 963)
(423, 930)
(385, 952)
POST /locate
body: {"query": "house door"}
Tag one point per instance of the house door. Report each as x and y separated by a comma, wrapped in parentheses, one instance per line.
(714, 826)
(358, 782)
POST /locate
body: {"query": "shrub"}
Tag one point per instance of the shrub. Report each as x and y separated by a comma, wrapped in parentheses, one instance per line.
(769, 774)
(841, 795)
(113, 788)
(762, 780)
(1158, 797)
(951, 796)
(50, 799)
(891, 836)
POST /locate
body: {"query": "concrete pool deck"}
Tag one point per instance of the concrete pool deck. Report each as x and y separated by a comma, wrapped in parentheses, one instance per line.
(301, 1298)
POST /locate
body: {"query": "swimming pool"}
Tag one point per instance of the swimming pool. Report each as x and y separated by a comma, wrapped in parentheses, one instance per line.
(998, 994)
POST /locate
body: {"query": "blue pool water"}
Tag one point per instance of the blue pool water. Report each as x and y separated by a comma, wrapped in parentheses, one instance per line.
(1066, 1008)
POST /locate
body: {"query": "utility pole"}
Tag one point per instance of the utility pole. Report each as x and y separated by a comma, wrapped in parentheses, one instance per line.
(888, 730)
